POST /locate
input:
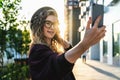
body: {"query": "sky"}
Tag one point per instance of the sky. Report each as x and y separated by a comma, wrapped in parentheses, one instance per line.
(30, 6)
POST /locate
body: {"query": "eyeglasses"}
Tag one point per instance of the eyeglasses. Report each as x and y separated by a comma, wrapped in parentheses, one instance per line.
(49, 24)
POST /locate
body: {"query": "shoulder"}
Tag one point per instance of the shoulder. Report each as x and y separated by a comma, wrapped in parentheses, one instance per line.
(39, 49)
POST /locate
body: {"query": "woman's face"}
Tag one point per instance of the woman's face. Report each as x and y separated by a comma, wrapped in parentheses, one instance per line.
(50, 26)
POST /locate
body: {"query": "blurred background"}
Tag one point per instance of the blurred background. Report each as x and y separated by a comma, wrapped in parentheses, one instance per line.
(15, 16)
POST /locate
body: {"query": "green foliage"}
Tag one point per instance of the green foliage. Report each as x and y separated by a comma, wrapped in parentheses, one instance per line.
(15, 72)
(25, 38)
(0, 3)
(2, 39)
(10, 36)
(116, 47)
(8, 23)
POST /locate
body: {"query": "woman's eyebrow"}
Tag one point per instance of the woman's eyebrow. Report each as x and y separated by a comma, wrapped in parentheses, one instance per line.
(51, 21)
(48, 20)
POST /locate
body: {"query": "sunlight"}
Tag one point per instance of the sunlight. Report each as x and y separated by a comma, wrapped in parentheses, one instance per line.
(58, 5)
(62, 29)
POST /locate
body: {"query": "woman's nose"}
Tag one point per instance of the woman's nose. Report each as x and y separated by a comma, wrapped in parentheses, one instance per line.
(52, 27)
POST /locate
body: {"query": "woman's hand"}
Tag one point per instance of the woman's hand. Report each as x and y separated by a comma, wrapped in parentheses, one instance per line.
(94, 34)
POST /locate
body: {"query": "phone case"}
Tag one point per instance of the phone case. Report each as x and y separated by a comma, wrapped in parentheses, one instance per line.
(97, 10)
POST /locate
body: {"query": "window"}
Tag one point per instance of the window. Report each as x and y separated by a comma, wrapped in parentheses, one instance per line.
(116, 38)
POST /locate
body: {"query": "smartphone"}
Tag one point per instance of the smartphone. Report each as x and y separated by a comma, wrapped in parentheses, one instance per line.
(97, 10)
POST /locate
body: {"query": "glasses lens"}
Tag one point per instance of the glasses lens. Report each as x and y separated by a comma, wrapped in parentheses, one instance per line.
(49, 24)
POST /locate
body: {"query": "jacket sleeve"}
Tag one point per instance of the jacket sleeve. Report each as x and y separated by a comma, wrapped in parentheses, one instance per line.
(68, 47)
(47, 65)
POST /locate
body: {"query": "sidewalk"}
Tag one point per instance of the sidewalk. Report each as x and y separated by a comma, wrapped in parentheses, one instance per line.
(94, 70)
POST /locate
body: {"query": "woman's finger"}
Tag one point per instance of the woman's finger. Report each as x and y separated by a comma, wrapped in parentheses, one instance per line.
(88, 23)
(97, 22)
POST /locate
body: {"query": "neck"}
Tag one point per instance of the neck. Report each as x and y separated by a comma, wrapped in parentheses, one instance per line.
(48, 41)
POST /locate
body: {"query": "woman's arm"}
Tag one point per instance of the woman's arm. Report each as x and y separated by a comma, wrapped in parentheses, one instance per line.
(92, 36)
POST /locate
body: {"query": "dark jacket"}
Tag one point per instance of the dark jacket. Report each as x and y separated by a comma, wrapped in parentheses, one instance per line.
(46, 65)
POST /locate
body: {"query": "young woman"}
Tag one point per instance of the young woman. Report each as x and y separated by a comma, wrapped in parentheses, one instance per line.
(51, 57)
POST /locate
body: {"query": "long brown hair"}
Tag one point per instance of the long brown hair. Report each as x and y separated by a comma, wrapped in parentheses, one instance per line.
(36, 26)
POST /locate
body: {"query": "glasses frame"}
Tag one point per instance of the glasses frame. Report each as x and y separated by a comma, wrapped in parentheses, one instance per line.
(49, 24)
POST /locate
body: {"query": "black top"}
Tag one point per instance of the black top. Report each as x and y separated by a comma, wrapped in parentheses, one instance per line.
(46, 65)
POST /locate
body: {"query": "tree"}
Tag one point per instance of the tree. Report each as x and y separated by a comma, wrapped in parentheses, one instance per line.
(10, 36)
(24, 38)
(8, 24)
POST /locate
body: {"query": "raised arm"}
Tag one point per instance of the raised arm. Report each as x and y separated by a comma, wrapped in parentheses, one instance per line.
(92, 36)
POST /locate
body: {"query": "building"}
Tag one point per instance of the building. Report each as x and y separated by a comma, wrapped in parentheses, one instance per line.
(108, 49)
(72, 12)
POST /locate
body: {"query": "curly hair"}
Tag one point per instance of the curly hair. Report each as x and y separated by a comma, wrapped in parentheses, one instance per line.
(36, 26)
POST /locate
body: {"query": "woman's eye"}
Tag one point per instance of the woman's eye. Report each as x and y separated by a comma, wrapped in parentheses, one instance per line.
(48, 23)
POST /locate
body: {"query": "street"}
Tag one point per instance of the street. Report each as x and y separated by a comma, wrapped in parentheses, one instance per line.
(95, 70)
